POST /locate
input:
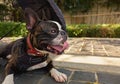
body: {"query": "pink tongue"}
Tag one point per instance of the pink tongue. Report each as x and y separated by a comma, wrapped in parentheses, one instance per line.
(60, 48)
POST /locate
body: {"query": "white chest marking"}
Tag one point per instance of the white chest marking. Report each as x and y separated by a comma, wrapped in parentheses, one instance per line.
(9, 79)
(9, 56)
(38, 66)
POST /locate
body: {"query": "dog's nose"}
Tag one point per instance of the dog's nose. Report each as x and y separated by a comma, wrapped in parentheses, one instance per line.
(63, 33)
(64, 36)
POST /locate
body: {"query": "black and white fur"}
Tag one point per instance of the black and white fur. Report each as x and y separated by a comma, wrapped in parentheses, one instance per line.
(58, 40)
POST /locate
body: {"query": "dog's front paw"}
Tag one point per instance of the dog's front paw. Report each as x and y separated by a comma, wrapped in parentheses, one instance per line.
(8, 79)
(58, 76)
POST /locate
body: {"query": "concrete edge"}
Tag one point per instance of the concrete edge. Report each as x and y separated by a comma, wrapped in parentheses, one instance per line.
(90, 63)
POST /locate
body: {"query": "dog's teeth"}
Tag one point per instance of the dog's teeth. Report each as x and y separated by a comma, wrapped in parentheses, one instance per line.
(48, 47)
(61, 44)
(56, 52)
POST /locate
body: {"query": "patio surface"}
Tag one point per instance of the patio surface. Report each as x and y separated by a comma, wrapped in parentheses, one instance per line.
(86, 61)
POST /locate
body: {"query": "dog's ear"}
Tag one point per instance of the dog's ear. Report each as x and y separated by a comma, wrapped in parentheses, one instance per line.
(31, 18)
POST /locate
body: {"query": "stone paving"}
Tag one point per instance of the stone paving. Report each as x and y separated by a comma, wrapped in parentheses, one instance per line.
(89, 46)
(94, 46)
(83, 47)
(74, 77)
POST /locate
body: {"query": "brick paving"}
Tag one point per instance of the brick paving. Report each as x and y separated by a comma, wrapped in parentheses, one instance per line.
(89, 46)
(94, 46)
(79, 46)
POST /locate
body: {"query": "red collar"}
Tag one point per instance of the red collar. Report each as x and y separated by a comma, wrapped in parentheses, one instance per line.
(31, 50)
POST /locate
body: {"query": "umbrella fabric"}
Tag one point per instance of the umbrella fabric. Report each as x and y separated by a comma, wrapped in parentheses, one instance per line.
(46, 9)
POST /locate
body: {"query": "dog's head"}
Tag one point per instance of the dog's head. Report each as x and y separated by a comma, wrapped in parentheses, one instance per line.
(45, 35)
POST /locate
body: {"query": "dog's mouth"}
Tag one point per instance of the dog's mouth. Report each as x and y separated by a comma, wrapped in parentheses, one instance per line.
(57, 49)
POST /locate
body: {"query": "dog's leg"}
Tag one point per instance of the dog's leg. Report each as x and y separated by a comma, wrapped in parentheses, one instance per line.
(9, 72)
(58, 76)
(9, 79)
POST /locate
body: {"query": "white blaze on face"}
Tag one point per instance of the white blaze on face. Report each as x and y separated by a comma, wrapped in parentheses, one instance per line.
(59, 26)
(58, 39)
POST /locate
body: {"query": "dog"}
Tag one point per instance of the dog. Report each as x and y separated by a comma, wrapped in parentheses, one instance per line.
(32, 52)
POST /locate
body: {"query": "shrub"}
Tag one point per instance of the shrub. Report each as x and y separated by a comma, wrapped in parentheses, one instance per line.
(77, 30)
(74, 30)
(3, 11)
(117, 32)
(7, 26)
(85, 30)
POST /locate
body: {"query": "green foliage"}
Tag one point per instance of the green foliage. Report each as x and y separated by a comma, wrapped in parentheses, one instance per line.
(7, 26)
(74, 6)
(85, 30)
(117, 32)
(15, 12)
(3, 11)
(113, 3)
(3, 7)
(77, 30)
(84, 6)
(74, 30)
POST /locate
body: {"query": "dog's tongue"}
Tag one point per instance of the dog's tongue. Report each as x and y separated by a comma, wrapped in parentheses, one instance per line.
(60, 48)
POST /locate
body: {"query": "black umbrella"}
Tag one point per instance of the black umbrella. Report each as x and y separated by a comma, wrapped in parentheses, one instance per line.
(46, 9)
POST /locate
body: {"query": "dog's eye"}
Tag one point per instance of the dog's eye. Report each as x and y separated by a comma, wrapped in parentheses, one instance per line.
(53, 31)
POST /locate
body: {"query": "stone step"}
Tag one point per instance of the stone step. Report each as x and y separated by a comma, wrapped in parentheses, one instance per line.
(91, 63)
